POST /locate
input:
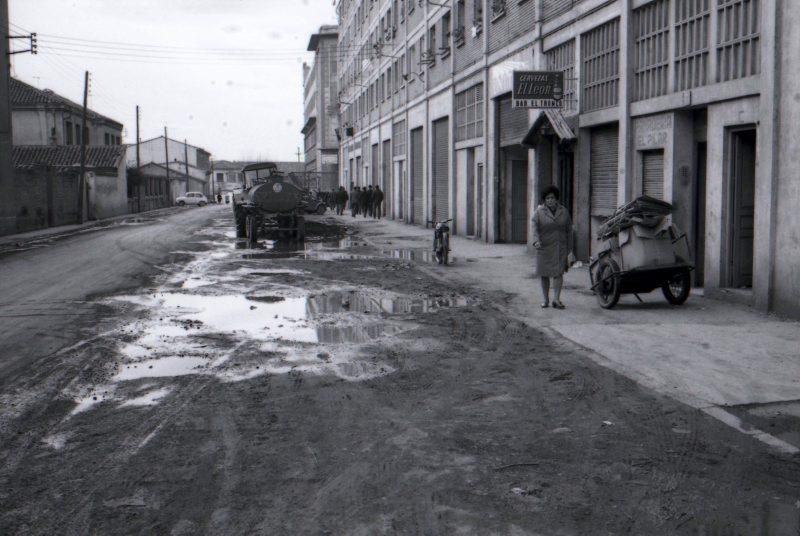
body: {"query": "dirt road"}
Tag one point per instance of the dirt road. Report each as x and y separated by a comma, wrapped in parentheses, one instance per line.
(327, 389)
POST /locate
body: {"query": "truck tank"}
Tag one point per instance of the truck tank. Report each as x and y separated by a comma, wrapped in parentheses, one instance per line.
(275, 196)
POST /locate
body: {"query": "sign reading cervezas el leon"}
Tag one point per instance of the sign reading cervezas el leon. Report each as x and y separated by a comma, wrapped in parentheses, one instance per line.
(537, 89)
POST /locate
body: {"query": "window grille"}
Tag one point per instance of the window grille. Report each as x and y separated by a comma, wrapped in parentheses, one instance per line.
(498, 8)
(399, 138)
(458, 31)
(600, 67)
(562, 58)
(651, 61)
(738, 31)
(469, 113)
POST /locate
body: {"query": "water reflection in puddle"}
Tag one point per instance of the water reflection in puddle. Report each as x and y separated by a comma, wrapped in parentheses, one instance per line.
(159, 368)
(148, 399)
(368, 302)
(415, 254)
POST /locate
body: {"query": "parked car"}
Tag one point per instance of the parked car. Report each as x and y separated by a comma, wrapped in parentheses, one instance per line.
(192, 198)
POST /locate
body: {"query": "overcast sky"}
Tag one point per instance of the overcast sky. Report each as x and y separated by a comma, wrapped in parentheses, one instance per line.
(224, 74)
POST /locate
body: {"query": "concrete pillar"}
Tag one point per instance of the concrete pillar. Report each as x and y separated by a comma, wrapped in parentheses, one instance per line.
(8, 222)
(627, 178)
(768, 150)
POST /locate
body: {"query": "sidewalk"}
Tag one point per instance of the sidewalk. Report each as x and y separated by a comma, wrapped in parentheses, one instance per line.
(29, 239)
(721, 358)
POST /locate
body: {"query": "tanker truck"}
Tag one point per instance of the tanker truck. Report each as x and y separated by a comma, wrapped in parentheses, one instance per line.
(270, 201)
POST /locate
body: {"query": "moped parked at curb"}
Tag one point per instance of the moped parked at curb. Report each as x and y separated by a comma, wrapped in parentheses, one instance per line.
(441, 240)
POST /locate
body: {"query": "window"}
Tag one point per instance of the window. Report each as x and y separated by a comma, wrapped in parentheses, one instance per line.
(498, 9)
(220, 177)
(691, 44)
(77, 134)
(70, 133)
(106, 139)
(562, 58)
(430, 58)
(411, 67)
(469, 113)
(477, 15)
(458, 31)
(445, 35)
(600, 67)
(650, 61)
(738, 31)
(399, 138)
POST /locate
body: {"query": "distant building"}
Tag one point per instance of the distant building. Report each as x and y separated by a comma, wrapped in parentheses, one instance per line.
(184, 159)
(227, 175)
(320, 113)
(41, 117)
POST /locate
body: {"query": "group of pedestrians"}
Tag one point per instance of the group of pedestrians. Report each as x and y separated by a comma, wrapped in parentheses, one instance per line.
(366, 201)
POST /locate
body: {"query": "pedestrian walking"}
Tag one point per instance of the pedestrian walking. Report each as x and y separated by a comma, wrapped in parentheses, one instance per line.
(377, 203)
(368, 201)
(355, 196)
(341, 200)
(552, 238)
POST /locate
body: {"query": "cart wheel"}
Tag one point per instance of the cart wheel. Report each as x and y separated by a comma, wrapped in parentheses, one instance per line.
(445, 249)
(676, 289)
(607, 279)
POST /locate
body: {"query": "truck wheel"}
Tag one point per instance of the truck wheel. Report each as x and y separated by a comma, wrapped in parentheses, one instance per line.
(677, 289)
(252, 228)
(607, 279)
(181, 203)
(241, 223)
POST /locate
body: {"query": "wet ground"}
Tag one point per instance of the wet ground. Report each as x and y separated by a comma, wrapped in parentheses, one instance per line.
(332, 387)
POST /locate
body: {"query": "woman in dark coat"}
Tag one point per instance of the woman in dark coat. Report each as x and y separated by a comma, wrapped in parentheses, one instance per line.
(552, 238)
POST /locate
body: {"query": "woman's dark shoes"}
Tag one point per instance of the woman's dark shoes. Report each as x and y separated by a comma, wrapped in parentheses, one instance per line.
(545, 305)
(558, 305)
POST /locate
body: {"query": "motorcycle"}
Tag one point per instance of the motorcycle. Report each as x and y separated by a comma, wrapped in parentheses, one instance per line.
(441, 240)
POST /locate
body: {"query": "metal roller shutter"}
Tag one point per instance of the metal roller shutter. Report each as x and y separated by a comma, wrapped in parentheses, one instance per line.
(441, 191)
(416, 174)
(386, 182)
(603, 172)
(653, 173)
(513, 122)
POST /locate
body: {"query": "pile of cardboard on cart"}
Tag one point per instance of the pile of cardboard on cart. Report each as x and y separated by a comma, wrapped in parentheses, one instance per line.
(645, 211)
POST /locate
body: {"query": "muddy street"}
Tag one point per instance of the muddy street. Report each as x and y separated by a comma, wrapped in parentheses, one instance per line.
(333, 387)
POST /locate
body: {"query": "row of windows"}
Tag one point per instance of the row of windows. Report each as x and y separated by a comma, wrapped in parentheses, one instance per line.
(736, 47)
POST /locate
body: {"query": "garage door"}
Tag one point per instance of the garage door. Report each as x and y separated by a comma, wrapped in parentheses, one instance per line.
(603, 172)
(416, 174)
(653, 173)
(441, 190)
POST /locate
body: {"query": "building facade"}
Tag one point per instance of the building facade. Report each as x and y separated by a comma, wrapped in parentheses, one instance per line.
(41, 117)
(183, 159)
(668, 98)
(321, 109)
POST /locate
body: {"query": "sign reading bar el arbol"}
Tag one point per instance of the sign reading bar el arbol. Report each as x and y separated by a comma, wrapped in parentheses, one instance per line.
(537, 89)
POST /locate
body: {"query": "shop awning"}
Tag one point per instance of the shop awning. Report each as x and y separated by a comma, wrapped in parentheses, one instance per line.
(549, 123)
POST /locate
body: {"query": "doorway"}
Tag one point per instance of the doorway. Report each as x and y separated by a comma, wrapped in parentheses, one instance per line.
(417, 177)
(741, 207)
(519, 201)
(479, 199)
(566, 174)
(699, 216)
(470, 183)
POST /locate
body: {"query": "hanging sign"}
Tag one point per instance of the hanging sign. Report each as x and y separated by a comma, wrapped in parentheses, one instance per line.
(537, 89)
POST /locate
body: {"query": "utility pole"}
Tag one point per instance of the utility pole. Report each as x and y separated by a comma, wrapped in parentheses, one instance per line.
(8, 208)
(166, 158)
(298, 154)
(138, 140)
(82, 202)
(185, 157)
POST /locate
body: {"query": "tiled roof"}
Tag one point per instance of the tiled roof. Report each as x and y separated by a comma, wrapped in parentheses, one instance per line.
(64, 156)
(22, 95)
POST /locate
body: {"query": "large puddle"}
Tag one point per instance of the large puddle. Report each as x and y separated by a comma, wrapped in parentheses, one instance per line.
(237, 324)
